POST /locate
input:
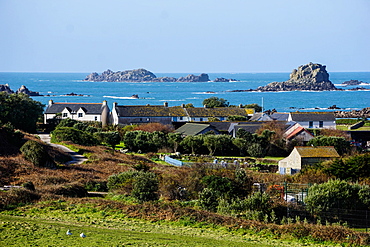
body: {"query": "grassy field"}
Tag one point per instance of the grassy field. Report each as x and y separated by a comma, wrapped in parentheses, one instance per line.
(46, 225)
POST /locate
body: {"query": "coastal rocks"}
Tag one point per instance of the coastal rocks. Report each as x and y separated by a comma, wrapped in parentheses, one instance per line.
(364, 113)
(221, 79)
(6, 88)
(135, 75)
(22, 89)
(311, 76)
(141, 75)
(194, 78)
(353, 83)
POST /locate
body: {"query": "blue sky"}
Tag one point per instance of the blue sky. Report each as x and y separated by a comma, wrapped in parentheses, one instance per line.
(191, 36)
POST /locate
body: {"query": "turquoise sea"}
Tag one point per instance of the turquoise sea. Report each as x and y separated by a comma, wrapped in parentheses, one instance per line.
(55, 85)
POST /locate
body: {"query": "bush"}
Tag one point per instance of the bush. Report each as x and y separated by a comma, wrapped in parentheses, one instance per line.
(36, 153)
(73, 135)
(69, 190)
(18, 196)
(208, 199)
(141, 185)
(334, 194)
(145, 187)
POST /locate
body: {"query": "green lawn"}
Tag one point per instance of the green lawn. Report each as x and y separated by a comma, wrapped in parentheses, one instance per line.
(47, 224)
(345, 128)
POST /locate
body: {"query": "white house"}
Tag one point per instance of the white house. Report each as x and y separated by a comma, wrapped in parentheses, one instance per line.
(314, 120)
(78, 111)
(303, 156)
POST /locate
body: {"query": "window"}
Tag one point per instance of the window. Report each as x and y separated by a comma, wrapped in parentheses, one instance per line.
(321, 124)
(181, 118)
(96, 118)
(65, 115)
(201, 119)
(310, 124)
(80, 115)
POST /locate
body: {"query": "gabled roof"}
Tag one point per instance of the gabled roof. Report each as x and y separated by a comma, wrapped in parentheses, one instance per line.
(296, 132)
(280, 116)
(260, 116)
(216, 112)
(312, 116)
(220, 126)
(193, 128)
(89, 108)
(317, 152)
(150, 111)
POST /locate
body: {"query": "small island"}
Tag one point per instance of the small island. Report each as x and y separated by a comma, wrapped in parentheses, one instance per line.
(22, 89)
(142, 75)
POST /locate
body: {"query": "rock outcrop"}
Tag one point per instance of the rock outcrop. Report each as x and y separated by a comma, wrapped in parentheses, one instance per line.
(364, 113)
(221, 79)
(194, 78)
(353, 83)
(24, 89)
(311, 76)
(6, 88)
(141, 75)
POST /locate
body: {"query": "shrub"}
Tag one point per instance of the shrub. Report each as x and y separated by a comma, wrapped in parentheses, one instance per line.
(36, 153)
(18, 196)
(67, 122)
(69, 190)
(208, 199)
(145, 187)
(73, 135)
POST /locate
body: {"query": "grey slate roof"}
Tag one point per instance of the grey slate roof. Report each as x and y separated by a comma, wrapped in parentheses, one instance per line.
(88, 108)
(312, 116)
(280, 116)
(193, 128)
(150, 111)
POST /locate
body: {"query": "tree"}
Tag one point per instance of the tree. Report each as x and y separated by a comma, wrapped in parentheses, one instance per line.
(174, 139)
(192, 142)
(241, 144)
(256, 150)
(20, 110)
(340, 143)
(152, 127)
(236, 118)
(111, 138)
(215, 102)
(351, 168)
(257, 108)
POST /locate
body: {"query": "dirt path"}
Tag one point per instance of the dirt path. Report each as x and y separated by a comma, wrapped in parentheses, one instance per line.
(77, 158)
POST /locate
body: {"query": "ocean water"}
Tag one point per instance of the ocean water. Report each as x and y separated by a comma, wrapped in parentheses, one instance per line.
(55, 85)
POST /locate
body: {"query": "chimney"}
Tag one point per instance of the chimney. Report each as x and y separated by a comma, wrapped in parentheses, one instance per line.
(104, 102)
(205, 106)
(240, 106)
(183, 105)
(51, 102)
(114, 105)
(165, 104)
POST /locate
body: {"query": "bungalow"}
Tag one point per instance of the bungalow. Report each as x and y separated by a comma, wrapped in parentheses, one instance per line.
(304, 156)
(203, 114)
(78, 111)
(310, 120)
(136, 114)
(166, 115)
(192, 129)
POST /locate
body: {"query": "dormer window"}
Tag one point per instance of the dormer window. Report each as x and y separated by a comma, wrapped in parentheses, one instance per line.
(80, 114)
(65, 115)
